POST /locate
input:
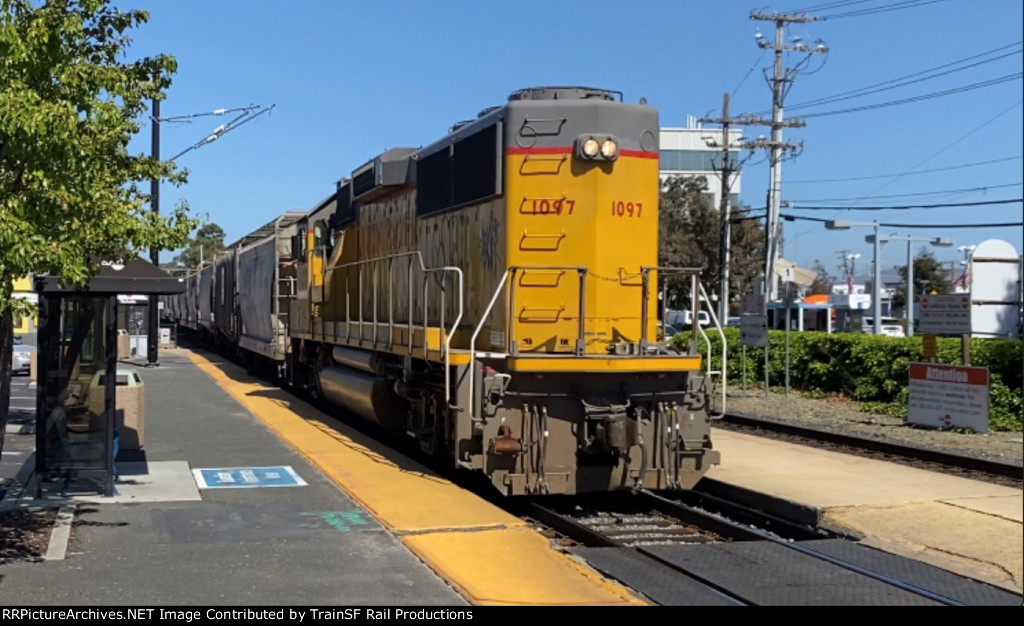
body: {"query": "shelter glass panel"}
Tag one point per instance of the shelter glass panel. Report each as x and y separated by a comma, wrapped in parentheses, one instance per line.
(74, 398)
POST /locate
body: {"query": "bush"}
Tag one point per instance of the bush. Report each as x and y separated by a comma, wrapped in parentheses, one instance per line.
(871, 369)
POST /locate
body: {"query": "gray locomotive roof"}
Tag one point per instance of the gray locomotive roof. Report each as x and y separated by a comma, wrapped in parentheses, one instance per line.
(287, 219)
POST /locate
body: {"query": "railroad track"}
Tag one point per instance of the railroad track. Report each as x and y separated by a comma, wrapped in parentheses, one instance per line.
(678, 554)
(1009, 474)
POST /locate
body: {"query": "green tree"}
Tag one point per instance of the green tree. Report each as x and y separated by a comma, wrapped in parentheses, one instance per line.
(70, 190)
(822, 284)
(690, 236)
(929, 276)
(208, 241)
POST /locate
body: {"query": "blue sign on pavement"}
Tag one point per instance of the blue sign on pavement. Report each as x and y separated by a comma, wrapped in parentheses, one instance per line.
(240, 477)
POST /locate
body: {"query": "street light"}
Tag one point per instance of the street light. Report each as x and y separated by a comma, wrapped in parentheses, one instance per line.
(876, 300)
(968, 251)
(935, 241)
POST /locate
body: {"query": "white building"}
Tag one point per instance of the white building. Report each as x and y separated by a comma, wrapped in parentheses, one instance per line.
(685, 151)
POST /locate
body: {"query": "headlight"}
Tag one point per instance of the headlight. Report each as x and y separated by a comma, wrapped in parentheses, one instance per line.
(609, 149)
(590, 148)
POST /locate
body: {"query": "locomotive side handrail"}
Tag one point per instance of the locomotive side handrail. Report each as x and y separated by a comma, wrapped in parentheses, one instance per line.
(721, 334)
(443, 271)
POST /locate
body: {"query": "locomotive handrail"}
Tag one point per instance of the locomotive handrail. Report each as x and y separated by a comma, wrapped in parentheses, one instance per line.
(645, 271)
(390, 258)
(472, 341)
(721, 333)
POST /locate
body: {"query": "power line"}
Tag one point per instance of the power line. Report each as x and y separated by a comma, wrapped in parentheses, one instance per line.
(947, 147)
(747, 75)
(887, 225)
(223, 129)
(907, 207)
(919, 193)
(887, 85)
(928, 96)
(829, 5)
(183, 118)
(876, 176)
(907, 4)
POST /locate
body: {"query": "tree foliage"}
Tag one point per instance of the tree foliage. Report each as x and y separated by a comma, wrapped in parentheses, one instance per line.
(823, 282)
(70, 190)
(690, 236)
(204, 246)
(929, 277)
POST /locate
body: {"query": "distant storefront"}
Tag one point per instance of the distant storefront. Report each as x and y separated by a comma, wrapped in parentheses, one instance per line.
(24, 324)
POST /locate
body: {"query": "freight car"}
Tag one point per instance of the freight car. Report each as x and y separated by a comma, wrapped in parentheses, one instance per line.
(495, 295)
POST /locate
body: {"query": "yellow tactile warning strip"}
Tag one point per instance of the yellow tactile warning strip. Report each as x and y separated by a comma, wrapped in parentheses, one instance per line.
(490, 556)
(540, 576)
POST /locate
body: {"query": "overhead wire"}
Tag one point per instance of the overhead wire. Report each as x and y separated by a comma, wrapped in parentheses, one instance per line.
(897, 6)
(894, 83)
(919, 193)
(876, 176)
(907, 207)
(829, 5)
(244, 118)
(943, 149)
(805, 218)
(928, 96)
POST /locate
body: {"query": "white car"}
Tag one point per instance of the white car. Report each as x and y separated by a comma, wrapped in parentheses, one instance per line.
(891, 327)
(21, 357)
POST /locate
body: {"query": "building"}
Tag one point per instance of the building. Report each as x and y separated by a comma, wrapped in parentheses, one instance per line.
(23, 289)
(685, 151)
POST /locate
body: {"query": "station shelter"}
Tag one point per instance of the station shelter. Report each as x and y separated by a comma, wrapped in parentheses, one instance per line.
(76, 416)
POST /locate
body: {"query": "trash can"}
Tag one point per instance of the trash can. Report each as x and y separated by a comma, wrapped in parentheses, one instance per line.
(130, 406)
(124, 345)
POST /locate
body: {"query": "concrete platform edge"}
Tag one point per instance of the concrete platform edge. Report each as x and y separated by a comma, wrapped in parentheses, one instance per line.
(779, 507)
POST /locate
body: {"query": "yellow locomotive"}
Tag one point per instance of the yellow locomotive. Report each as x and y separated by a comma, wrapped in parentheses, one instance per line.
(495, 296)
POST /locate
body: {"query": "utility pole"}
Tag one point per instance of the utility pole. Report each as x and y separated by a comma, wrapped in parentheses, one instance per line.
(728, 172)
(152, 343)
(727, 175)
(781, 82)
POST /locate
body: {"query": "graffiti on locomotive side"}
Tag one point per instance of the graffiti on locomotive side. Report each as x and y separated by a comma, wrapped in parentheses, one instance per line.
(448, 240)
(389, 227)
(490, 242)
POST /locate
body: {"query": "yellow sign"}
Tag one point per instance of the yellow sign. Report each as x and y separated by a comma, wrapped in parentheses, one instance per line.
(929, 347)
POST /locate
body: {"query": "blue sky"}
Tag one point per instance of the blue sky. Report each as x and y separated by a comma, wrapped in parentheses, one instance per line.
(351, 79)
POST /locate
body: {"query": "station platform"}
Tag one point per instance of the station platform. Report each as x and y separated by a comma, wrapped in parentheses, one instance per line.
(350, 521)
(969, 527)
(346, 522)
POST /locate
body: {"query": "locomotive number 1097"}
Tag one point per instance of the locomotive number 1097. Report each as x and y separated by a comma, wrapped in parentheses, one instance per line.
(627, 209)
(554, 206)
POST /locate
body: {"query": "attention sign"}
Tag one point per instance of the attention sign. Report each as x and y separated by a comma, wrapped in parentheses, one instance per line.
(948, 396)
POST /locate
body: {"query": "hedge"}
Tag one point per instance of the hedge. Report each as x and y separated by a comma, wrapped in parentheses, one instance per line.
(871, 369)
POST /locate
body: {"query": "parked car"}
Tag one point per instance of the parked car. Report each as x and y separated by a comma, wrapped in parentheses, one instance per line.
(891, 327)
(733, 321)
(21, 357)
(684, 319)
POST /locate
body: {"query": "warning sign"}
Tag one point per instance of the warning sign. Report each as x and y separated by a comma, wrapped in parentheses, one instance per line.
(946, 315)
(929, 347)
(946, 396)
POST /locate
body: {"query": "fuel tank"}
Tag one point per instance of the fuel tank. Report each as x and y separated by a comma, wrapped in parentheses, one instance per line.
(363, 360)
(364, 395)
